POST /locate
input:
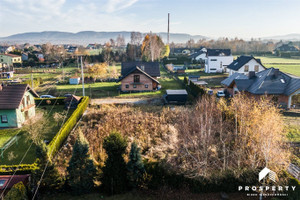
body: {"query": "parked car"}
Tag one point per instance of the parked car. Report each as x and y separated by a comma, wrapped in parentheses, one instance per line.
(47, 96)
(220, 93)
(67, 95)
(210, 92)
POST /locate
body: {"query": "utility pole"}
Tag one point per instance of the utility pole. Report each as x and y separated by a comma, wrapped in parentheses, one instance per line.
(77, 62)
(31, 81)
(82, 77)
(168, 39)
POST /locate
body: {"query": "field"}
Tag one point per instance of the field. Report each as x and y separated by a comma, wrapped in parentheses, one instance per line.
(288, 65)
(15, 152)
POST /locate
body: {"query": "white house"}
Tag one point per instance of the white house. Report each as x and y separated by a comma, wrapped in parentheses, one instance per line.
(244, 65)
(218, 60)
(75, 80)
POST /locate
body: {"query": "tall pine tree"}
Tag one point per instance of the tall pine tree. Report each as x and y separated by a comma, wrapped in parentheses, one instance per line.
(51, 179)
(135, 166)
(81, 170)
(114, 179)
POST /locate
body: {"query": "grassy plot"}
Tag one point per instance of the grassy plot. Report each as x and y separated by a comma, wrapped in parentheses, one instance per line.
(291, 69)
(291, 119)
(15, 153)
(6, 135)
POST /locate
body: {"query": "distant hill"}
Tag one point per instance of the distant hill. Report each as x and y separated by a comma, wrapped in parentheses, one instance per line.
(289, 37)
(86, 37)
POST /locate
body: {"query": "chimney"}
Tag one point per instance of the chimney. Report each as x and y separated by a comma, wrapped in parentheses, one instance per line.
(276, 73)
(251, 74)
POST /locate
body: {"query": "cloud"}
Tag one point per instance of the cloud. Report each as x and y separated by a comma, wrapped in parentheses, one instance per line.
(116, 5)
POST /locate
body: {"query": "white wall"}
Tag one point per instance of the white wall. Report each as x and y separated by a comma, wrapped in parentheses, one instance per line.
(201, 56)
(219, 65)
(251, 65)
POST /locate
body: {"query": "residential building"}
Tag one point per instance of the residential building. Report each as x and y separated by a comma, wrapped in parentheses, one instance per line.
(287, 48)
(17, 105)
(218, 60)
(271, 82)
(10, 59)
(139, 76)
(245, 64)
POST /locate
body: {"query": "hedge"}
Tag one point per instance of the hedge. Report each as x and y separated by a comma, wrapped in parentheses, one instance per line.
(22, 167)
(63, 133)
(49, 101)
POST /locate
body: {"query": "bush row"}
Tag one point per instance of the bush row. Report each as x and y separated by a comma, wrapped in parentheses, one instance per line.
(63, 133)
(49, 101)
(225, 181)
(36, 82)
(22, 167)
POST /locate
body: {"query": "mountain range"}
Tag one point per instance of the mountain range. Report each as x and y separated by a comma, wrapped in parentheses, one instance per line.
(86, 37)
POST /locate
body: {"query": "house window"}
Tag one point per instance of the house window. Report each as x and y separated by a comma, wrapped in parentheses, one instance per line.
(213, 59)
(256, 67)
(126, 86)
(146, 85)
(246, 69)
(136, 78)
(134, 86)
(2, 182)
(4, 118)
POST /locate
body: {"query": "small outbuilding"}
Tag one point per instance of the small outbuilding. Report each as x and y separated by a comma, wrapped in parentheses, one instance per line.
(72, 101)
(8, 181)
(75, 80)
(175, 97)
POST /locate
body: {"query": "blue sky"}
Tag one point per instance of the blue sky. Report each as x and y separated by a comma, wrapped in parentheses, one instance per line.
(212, 18)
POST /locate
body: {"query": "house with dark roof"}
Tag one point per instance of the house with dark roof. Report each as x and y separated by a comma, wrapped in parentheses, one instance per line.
(139, 76)
(271, 82)
(217, 60)
(287, 48)
(17, 105)
(244, 65)
(8, 181)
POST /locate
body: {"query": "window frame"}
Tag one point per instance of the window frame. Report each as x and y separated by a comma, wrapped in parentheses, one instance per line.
(2, 120)
(127, 86)
(146, 86)
(136, 78)
(246, 68)
(256, 68)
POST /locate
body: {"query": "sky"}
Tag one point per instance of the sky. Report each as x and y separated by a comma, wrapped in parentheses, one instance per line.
(211, 18)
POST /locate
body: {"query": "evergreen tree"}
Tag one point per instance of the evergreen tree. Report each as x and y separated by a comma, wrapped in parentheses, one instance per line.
(135, 166)
(114, 178)
(17, 192)
(81, 170)
(51, 179)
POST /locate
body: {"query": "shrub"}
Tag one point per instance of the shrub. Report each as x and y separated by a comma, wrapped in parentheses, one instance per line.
(114, 177)
(81, 170)
(135, 166)
(17, 192)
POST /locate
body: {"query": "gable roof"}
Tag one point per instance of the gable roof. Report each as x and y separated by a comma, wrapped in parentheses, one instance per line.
(287, 47)
(10, 55)
(194, 55)
(269, 81)
(241, 61)
(151, 68)
(218, 52)
(139, 70)
(10, 180)
(12, 95)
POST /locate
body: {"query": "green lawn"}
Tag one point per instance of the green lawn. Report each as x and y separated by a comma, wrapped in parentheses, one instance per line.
(6, 134)
(14, 153)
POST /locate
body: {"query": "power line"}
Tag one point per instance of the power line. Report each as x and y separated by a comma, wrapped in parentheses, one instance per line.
(39, 182)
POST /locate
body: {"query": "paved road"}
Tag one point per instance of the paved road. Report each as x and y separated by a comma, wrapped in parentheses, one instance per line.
(126, 101)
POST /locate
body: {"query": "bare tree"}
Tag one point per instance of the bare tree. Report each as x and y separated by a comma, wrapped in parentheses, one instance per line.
(120, 41)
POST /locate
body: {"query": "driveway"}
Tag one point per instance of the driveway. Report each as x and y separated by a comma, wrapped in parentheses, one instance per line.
(126, 101)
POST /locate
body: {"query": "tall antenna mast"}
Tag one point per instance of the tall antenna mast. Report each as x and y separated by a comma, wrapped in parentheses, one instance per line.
(168, 40)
